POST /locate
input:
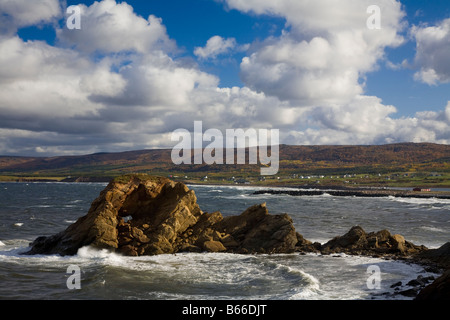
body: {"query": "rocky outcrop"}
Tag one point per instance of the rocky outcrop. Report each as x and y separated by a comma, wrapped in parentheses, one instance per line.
(257, 231)
(439, 257)
(143, 215)
(438, 290)
(381, 243)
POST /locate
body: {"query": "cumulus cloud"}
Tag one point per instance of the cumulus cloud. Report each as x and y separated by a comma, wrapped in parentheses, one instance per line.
(22, 13)
(131, 95)
(432, 57)
(374, 125)
(319, 63)
(325, 51)
(216, 46)
(109, 27)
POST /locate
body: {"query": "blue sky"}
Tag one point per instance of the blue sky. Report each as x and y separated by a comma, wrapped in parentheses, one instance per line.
(314, 71)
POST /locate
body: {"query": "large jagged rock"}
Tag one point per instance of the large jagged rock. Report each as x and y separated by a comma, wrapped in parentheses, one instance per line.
(257, 231)
(143, 215)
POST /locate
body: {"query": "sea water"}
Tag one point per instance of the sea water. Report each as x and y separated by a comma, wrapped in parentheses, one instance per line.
(29, 210)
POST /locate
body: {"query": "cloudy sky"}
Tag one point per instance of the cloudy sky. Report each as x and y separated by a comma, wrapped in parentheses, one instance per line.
(138, 70)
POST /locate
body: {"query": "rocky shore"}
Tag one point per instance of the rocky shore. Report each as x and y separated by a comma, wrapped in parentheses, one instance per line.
(143, 215)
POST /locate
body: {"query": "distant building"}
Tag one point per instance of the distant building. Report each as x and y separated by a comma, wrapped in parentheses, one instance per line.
(421, 190)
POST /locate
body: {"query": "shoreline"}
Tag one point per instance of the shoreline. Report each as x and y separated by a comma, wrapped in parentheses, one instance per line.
(297, 190)
(361, 193)
(343, 191)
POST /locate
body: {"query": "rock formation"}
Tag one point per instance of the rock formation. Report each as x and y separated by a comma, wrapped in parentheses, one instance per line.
(381, 243)
(143, 215)
(439, 257)
(440, 288)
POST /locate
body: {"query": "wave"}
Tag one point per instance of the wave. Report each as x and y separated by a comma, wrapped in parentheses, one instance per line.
(243, 275)
(420, 201)
(307, 288)
(219, 275)
(433, 229)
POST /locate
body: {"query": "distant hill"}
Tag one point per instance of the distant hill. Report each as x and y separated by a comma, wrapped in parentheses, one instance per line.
(293, 159)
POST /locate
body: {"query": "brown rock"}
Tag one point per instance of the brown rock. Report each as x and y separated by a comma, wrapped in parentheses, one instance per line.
(439, 256)
(167, 206)
(214, 246)
(358, 242)
(257, 231)
(353, 240)
(163, 217)
(438, 290)
(398, 242)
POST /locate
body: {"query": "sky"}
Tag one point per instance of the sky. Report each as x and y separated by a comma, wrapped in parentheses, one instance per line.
(322, 72)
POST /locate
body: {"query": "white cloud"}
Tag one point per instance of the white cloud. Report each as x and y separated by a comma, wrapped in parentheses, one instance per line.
(367, 121)
(215, 46)
(69, 100)
(22, 13)
(107, 27)
(40, 79)
(432, 56)
(318, 66)
(325, 51)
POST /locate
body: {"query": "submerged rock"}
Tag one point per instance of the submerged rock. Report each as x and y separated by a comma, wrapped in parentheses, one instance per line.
(144, 215)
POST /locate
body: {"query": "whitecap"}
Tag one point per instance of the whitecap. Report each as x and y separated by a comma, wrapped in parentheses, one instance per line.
(18, 224)
(2, 244)
(103, 256)
(420, 201)
(433, 229)
(309, 288)
(326, 195)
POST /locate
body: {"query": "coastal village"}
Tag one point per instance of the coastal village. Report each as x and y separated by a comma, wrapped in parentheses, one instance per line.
(405, 180)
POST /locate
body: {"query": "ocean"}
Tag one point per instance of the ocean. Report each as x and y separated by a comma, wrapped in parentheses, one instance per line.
(30, 210)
